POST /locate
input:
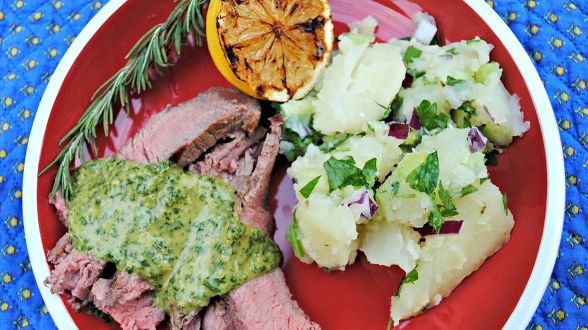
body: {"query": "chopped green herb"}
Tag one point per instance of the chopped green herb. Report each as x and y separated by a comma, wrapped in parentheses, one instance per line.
(309, 187)
(293, 146)
(370, 172)
(388, 109)
(371, 128)
(411, 54)
(407, 196)
(415, 73)
(491, 159)
(448, 213)
(483, 180)
(468, 190)
(452, 51)
(331, 143)
(328, 270)
(504, 202)
(292, 237)
(409, 278)
(343, 172)
(435, 218)
(396, 105)
(468, 108)
(394, 187)
(449, 209)
(453, 81)
(429, 117)
(425, 177)
(473, 41)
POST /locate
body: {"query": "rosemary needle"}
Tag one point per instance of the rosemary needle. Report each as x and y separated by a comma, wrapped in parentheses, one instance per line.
(151, 51)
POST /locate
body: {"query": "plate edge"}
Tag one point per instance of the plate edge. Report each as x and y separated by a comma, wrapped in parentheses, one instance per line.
(538, 280)
(55, 305)
(555, 201)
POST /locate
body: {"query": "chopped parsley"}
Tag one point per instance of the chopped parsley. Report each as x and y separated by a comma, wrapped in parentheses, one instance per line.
(407, 196)
(483, 180)
(370, 172)
(504, 202)
(429, 117)
(309, 187)
(394, 187)
(453, 81)
(435, 218)
(292, 237)
(425, 177)
(411, 54)
(343, 172)
(473, 41)
(293, 146)
(452, 51)
(409, 278)
(449, 209)
(468, 190)
(395, 106)
(491, 159)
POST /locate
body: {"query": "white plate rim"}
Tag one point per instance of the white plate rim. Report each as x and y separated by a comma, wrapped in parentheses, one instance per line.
(555, 203)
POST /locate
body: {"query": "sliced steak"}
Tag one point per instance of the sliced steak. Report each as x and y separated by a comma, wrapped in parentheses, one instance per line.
(191, 128)
(253, 205)
(60, 207)
(61, 250)
(265, 302)
(127, 300)
(224, 159)
(179, 320)
(185, 132)
(74, 272)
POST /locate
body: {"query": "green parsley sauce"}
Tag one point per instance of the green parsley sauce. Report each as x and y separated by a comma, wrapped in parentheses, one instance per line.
(177, 231)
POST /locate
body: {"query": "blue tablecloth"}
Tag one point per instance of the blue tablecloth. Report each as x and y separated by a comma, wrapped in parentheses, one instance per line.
(34, 35)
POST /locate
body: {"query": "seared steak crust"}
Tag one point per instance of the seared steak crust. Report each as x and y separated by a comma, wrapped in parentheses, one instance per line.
(191, 128)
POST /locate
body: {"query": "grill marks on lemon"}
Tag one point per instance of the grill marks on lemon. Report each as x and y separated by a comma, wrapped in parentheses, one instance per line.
(277, 48)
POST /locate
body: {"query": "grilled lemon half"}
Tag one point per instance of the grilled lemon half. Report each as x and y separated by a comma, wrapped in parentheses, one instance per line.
(270, 49)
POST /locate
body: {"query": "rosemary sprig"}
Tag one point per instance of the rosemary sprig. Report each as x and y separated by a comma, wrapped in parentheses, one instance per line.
(151, 51)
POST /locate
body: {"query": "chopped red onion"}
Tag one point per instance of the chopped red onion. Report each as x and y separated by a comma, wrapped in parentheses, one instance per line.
(414, 121)
(364, 204)
(398, 130)
(476, 139)
(408, 79)
(448, 227)
(424, 28)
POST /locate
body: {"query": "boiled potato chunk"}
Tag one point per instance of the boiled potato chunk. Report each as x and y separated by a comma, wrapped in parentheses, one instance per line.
(447, 259)
(389, 243)
(327, 231)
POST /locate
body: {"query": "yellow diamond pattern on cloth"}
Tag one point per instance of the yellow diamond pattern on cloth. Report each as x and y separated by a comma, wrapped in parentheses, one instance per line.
(34, 34)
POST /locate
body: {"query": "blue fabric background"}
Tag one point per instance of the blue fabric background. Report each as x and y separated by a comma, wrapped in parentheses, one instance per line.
(34, 35)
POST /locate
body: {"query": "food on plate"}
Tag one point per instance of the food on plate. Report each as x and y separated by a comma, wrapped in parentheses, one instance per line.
(270, 50)
(389, 155)
(146, 238)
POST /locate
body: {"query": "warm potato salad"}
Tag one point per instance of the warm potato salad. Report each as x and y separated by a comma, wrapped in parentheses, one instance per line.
(389, 157)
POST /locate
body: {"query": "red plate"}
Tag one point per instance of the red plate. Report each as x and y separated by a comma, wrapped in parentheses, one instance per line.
(358, 298)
